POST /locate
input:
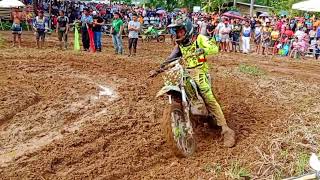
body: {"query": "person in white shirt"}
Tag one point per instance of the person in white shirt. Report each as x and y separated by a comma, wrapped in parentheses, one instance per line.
(217, 32)
(300, 34)
(152, 20)
(134, 28)
(224, 33)
(146, 21)
(246, 34)
(203, 27)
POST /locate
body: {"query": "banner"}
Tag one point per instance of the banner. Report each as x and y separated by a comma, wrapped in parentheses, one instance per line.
(76, 38)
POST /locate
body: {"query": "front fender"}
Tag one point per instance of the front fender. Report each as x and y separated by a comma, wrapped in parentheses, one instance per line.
(167, 89)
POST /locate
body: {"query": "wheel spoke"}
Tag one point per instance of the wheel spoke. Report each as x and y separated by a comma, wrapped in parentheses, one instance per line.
(183, 138)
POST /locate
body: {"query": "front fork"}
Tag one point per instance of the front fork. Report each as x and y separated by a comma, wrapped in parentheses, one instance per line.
(186, 109)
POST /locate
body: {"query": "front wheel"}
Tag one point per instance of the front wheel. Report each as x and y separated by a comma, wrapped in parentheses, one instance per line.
(176, 132)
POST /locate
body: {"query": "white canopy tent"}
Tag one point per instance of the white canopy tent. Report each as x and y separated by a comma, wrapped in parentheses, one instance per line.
(11, 3)
(309, 5)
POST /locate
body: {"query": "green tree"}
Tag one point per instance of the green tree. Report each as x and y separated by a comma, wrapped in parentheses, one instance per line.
(214, 5)
(286, 5)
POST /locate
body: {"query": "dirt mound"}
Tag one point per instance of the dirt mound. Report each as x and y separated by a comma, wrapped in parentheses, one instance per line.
(80, 115)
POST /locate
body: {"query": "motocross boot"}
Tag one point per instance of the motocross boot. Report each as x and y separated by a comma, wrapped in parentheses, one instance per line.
(228, 136)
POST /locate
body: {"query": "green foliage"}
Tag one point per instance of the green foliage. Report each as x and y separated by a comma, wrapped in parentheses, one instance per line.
(7, 26)
(279, 5)
(237, 172)
(214, 168)
(233, 8)
(252, 70)
(214, 5)
(301, 163)
(2, 41)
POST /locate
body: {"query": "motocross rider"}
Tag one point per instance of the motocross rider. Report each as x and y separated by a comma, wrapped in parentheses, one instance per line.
(197, 67)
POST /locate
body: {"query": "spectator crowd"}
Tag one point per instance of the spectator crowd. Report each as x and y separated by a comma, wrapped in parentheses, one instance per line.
(274, 35)
(266, 35)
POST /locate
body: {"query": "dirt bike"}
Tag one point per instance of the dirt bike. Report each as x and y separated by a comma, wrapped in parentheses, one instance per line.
(153, 33)
(183, 105)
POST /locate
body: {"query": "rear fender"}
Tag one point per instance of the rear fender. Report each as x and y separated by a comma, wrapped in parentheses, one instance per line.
(167, 89)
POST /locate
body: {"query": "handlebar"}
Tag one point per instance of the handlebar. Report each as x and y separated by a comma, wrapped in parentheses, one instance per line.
(169, 63)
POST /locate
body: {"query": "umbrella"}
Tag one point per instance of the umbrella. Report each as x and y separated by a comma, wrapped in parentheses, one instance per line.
(310, 5)
(11, 3)
(234, 15)
(264, 14)
(161, 11)
(283, 13)
(177, 10)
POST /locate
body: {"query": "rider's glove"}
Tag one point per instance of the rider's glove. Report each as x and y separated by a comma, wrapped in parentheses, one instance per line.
(199, 51)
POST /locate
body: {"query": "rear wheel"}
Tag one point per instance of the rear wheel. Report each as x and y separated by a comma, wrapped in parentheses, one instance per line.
(177, 134)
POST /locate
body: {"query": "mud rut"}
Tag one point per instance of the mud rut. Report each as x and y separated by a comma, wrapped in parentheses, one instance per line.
(79, 115)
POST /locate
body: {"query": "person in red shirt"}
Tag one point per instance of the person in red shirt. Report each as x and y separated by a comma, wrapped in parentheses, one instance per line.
(279, 24)
(288, 32)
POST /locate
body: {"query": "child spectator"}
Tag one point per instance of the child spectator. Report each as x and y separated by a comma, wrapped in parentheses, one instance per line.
(40, 26)
(235, 35)
(134, 28)
(313, 33)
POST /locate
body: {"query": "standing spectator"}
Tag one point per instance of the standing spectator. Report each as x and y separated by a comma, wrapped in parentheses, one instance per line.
(313, 33)
(16, 28)
(218, 32)
(275, 35)
(224, 34)
(134, 28)
(172, 30)
(141, 19)
(29, 19)
(87, 21)
(300, 34)
(257, 37)
(266, 38)
(253, 24)
(288, 32)
(152, 20)
(146, 21)
(40, 26)
(157, 20)
(116, 31)
(203, 27)
(246, 33)
(235, 35)
(210, 29)
(97, 30)
(317, 49)
(62, 29)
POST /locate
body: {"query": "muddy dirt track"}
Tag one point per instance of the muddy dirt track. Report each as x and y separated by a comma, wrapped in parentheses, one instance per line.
(67, 115)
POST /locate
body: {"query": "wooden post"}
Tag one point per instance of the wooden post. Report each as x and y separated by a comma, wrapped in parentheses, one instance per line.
(251, 8)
